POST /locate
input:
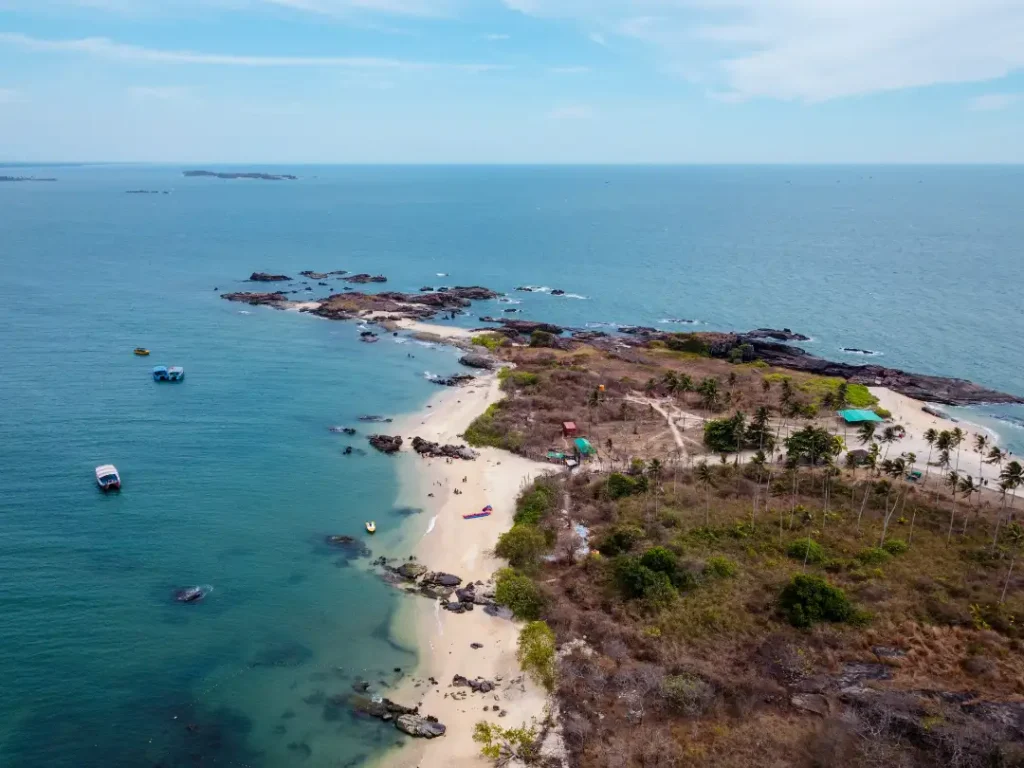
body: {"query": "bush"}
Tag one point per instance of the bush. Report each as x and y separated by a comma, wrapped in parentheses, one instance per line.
(519, 594)
(720, 567)
(688, 342)
(485, 430)
(687, 694)
(542, 339)
(522, 546)
(490, 340)
(620, 540)
(659, 559)
(874, 556)
(511, 379)
(507, 744)
(896, 546)
(619, 486)
(722, 435)
(535, 503)
(806, 548)
(637, 581)
(807, 600)
(536, 653)
(883, 412)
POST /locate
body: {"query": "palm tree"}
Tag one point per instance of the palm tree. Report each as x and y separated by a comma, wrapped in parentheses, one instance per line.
(1015, 533)
(996, 456)
(866, 432)
(968, 488)
(706, 480)
(981, 443)
(930, 436)
(889, 436)
(842, 393)
(710, 393)
(766, 385)
(654, 475)
(897, 468)
(1013, 476)
(953, 481)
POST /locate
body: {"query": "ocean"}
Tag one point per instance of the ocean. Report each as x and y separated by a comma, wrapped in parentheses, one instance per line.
(232, 478)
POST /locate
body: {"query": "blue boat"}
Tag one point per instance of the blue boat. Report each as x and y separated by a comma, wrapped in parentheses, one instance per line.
(163, 373)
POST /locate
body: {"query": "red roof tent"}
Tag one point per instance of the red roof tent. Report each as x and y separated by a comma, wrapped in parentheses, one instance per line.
(568, 428)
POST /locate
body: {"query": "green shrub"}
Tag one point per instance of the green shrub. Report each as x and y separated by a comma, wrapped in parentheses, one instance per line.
(511, 379)
(720, 567)
(619, 486)
(541, 338)
(896, 546)
(637, 581)
(688, 342)
(536, 653)
(620, 540)
(522, 546)
(807, 600)
(504, 744)
(808, 549)
(883, 412)
(536, 502)
(724, 435)
(490, 340)
(858, 396)
(485, 430)
(874, 556)
(687, 694)
(519, 594)
(659, 559)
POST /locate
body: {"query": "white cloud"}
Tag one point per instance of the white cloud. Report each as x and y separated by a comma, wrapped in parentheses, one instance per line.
(496, 36)
(990, 102)
(813, 50)
(597, 37)
(571, 112)
(569, 70)
(395, 7)
(109, 49)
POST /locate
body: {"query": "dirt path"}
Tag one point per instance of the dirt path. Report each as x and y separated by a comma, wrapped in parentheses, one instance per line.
(670, 418)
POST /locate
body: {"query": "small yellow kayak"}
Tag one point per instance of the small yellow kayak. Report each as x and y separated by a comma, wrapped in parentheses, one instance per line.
(141, 351)
(371, 527)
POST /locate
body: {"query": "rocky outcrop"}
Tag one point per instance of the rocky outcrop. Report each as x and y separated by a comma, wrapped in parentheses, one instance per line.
(526, 327)
(639, 330)
(483, 362)
(350, 546)
(321, 275)
(363, 278)
(386, 443)
(410, 570)
(479, 685)
(267, 277)
(558, 292)
(455, 380)
(773, 333)
(441, 579)
(420, 727)
(276, 299)
(434, 450)
(375, 419)
(259, 176)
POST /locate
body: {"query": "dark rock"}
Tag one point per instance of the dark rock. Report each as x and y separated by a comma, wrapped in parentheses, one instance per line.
(351, 546)
(411, 571)
(473, 360)
(385, 709)
(855, 673)
(419, 727)
(386, 443)
(811, 702)
(558, 292)
(455, 380)
(439, 578)
(375, 419)
(525, 288)
(426, 288)
(773, 333)
(856, 351)
(477, 686)
(360, 686)
(365, 278)
(257, 299)
(457, 607)
(476, 646)
(267, 277)
(526, 327)
(638, 330)
(427, 448)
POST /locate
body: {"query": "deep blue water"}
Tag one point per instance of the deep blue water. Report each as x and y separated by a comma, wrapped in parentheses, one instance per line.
(232, 479)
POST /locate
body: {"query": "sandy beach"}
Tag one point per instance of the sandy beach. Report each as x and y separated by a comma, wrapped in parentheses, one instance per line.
(442, 540)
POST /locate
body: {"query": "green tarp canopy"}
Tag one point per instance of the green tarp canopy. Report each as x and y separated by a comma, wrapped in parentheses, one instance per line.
(555, 455)
(856, 417)
(583, 446)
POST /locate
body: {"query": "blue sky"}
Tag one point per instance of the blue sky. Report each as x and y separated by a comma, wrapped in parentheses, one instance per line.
(438, 81)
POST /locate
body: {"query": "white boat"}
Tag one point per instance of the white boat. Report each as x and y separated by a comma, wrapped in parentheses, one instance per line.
(107, 477)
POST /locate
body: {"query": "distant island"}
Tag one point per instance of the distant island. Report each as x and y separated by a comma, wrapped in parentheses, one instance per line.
(145, 192)
(260, 176)
(24, 178)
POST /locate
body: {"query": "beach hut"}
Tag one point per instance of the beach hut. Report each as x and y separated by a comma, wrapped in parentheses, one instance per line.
(569, 429)
(858, 416)
(583, 448)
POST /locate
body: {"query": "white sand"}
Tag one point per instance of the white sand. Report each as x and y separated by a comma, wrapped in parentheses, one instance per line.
(908, 412)
(462, 547)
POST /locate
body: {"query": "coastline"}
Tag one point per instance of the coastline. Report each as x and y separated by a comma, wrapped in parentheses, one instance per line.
(442, 540)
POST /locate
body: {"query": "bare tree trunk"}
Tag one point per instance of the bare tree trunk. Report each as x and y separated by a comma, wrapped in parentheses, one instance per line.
(910, 540)
(952, 516)
(887, 518)
(999, 517)
(864, 502)
(1008, 573)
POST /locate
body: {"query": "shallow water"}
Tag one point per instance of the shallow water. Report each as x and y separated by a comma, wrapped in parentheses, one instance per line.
(232, 478)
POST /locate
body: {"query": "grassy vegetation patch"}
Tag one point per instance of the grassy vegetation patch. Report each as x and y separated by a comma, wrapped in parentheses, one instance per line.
(489, 340)
(485, 430)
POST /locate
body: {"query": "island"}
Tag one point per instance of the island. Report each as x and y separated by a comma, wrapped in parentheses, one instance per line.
(25, 178)
(242, 175)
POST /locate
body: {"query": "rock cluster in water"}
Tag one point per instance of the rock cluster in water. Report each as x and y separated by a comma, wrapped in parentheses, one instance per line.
(434, 450)
(268, 277)
(386, 443)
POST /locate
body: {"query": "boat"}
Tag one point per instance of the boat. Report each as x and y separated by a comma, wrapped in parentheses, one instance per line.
(107, 478)
(173, 373)
(485, 512)
(141, 351)
(371, 527)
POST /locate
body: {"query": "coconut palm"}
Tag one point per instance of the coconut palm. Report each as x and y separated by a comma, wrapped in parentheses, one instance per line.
(1013, 476)
(896, 468)
(866, 432)
(706, 480)
(710, 393)
(930, 436)
(958, 436)
(766, 385)
(1015, 533)
(953, 482)
(996, 455)
(981, 443)
(968, 488)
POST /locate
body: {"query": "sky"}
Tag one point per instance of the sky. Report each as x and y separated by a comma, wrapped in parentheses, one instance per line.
(512, 81)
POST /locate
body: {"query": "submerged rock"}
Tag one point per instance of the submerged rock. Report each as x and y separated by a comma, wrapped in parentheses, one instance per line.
(455, 380)
(267, 277)
(410, 571)
(365, 278)
(386, 443)
(773, 333)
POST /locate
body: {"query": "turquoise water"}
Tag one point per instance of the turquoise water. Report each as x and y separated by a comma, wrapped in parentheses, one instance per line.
(232, 479)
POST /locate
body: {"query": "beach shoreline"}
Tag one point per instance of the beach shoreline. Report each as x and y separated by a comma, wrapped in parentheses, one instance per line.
(441, 539)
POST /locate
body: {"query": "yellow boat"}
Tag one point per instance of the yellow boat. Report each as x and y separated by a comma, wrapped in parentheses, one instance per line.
(141, 351)
(371, 527)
